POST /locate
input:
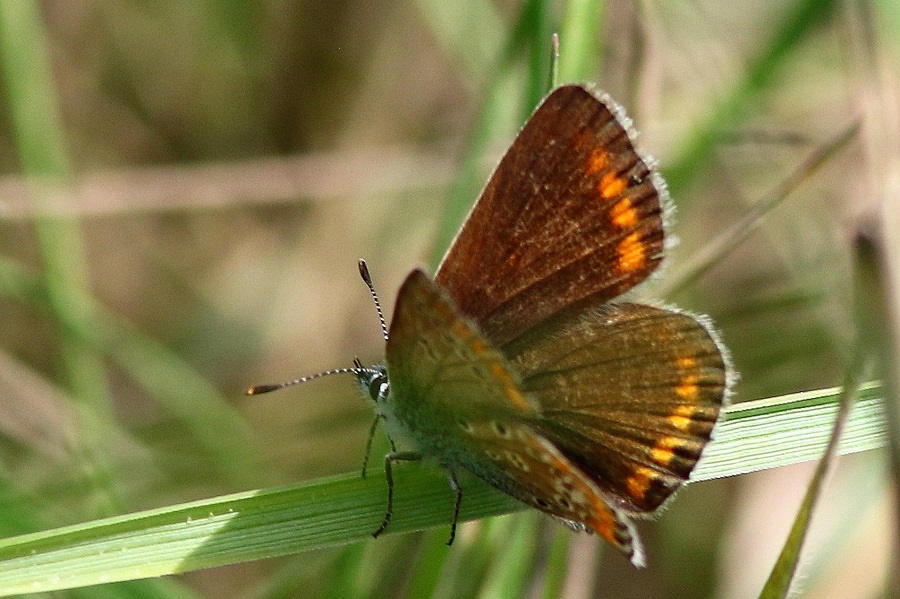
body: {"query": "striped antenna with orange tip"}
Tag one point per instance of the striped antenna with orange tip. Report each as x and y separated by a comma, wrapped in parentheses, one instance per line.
(357, 369)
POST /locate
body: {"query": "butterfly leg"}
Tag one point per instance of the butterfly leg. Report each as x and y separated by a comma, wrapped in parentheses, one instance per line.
(394, 456)
(372, 429)
(369, 443)
(454, 484)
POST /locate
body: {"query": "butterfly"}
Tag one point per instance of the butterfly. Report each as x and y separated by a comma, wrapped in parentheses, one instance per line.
(521, 362)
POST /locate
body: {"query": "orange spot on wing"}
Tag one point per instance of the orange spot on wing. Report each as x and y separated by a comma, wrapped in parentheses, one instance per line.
(664, 451)
(461, 330)
(632, 253)
(611, 185)
(663, 457)
(603, 522)
(595, 512)
(498, 371)
(682, 417)
(623, 214)
(597, 161)
(509, 386)
(687, 362)
(639, 483)
(687, 388)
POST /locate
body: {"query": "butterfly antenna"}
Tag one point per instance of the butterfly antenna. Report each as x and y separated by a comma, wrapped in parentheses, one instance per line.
(260, 389)
(357, 370)
(367, 279)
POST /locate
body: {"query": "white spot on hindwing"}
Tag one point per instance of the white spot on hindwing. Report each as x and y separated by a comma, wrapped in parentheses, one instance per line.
(493, 455)
(465, 426)
(500, 429)
(516, 461)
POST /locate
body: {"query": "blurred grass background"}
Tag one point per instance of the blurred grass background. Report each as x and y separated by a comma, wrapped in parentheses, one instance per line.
(218, 167)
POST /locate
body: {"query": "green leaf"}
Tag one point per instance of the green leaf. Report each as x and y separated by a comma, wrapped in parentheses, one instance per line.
(346, 509)
(779, 431)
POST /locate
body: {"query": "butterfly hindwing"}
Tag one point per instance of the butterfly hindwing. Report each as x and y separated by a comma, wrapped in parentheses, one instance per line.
(572, 214)
(462, 404)
(629, 393)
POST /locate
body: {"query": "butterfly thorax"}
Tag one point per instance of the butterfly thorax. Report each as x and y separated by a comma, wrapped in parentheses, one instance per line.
(374, 383)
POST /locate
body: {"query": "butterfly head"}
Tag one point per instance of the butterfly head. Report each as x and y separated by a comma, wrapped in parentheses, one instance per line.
(373, 381)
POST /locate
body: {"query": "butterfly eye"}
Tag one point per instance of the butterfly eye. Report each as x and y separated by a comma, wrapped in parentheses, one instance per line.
(378, 387)
(374, 381)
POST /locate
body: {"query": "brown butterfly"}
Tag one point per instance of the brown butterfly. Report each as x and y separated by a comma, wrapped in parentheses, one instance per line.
(520, 362)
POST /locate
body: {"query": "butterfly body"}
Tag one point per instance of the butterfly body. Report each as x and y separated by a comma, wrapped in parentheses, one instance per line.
(521, 362)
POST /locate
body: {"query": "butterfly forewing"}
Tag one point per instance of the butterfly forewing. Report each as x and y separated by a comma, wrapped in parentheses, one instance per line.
(434, 353)
(462, 404)
(628, 393)
(572, 215)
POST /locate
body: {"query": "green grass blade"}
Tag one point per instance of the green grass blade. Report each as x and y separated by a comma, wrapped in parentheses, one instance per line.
(878, 323)
(784, 572)
(233, 528)
(328, 512)
(431, 560)
(557, 564)
(37, 128)
(513, 568)
(537, 14)
(580, 40)
(768, 433)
